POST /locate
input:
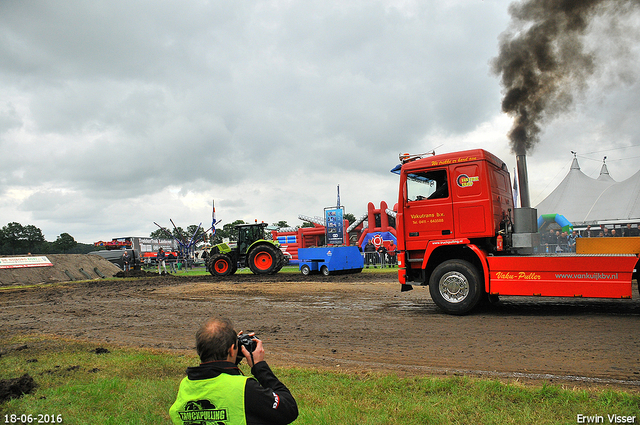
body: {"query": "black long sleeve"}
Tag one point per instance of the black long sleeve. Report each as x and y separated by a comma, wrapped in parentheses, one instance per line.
(267, 400)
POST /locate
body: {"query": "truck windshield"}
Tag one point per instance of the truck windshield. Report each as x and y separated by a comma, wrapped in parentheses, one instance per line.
(427, 185)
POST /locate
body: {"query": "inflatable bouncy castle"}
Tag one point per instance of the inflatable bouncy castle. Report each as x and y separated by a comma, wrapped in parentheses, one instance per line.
(380, 228)
(376, 225)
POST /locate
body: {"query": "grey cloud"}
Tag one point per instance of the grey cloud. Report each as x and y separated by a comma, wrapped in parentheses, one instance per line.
(253, 102)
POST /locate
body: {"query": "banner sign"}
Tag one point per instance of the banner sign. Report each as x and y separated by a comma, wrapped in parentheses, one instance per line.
(380, 238)
(19, 262)
(334, 221)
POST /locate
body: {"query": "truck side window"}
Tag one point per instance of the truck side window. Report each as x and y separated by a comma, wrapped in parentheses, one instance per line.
(427, 185)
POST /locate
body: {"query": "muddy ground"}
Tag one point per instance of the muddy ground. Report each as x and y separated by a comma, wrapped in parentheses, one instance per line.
(353, 322)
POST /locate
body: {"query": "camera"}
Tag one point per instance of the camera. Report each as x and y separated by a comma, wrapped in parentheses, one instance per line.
(246, 341)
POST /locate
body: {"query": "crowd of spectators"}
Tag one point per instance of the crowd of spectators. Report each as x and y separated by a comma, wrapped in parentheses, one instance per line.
(562, 241)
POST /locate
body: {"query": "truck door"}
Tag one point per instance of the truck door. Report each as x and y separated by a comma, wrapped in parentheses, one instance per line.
(428, 211)
(472, 201)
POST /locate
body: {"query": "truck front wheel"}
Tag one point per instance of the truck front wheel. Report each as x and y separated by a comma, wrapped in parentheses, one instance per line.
(455, 286)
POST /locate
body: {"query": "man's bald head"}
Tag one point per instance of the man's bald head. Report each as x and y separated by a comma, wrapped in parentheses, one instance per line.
(214, 339)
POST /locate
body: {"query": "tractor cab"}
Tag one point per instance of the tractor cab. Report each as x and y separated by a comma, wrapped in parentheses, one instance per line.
(248, 234)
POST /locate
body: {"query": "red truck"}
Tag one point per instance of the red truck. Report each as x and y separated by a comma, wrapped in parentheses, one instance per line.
(459, 232)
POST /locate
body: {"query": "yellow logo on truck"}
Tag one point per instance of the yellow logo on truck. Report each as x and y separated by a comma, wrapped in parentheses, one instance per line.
(466, 181)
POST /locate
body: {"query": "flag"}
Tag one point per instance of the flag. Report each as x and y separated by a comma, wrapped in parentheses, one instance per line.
(213, 219)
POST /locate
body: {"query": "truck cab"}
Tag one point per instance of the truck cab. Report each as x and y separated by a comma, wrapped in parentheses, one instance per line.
(447, 201)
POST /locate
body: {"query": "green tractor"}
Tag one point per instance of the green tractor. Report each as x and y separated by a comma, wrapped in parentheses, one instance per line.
(262, 256)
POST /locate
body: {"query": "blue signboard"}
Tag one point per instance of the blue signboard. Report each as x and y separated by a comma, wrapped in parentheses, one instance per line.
(334, 225)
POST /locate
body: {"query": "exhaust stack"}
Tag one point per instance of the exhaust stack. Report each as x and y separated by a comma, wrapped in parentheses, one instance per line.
(525, 219)
(523, 180)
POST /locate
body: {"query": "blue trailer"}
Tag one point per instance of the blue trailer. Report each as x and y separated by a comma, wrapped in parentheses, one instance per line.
(332, 259)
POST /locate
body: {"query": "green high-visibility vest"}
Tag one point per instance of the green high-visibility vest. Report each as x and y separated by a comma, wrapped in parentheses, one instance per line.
(218, 400)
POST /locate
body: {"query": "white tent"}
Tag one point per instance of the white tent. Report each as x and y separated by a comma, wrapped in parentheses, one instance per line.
(583, 200)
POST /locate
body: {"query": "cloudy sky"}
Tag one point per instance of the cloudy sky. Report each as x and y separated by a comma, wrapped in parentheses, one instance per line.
(115, 114)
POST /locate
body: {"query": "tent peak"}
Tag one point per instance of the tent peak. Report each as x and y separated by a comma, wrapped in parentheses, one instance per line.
(574, 164)
(604, 171)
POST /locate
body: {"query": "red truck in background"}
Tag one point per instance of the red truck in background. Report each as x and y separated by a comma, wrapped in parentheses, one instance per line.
(459, 232)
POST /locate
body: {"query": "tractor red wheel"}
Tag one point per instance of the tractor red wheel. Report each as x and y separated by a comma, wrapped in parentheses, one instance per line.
(220, 265)
(263, 259)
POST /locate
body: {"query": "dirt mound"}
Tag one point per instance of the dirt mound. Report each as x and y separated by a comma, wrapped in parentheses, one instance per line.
(16, 387)
(65, 267)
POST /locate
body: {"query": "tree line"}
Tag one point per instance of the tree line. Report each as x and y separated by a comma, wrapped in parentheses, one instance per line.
(226, 231)
(16, 239)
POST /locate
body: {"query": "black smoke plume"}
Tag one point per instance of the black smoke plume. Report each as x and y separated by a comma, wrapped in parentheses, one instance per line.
(543, 63)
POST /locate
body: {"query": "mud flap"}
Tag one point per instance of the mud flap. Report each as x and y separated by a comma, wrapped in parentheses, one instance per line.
(404, 287)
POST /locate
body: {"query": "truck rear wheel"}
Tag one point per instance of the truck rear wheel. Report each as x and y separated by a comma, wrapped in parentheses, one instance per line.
(221, 265)
(455, 286)
(264, 259)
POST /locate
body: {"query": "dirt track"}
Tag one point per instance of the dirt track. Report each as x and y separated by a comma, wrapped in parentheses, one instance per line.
(359, 321)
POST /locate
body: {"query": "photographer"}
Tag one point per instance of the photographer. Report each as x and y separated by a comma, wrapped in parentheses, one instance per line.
(218, 391)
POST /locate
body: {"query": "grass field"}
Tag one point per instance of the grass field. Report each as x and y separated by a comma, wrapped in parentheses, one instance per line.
(136, 386)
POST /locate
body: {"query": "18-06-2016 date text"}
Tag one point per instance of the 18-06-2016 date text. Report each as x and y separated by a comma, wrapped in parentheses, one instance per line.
(33, 419)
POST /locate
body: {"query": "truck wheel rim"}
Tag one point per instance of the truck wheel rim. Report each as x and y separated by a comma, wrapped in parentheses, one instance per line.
(454, 287)
(221, 266)
(263, 261)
